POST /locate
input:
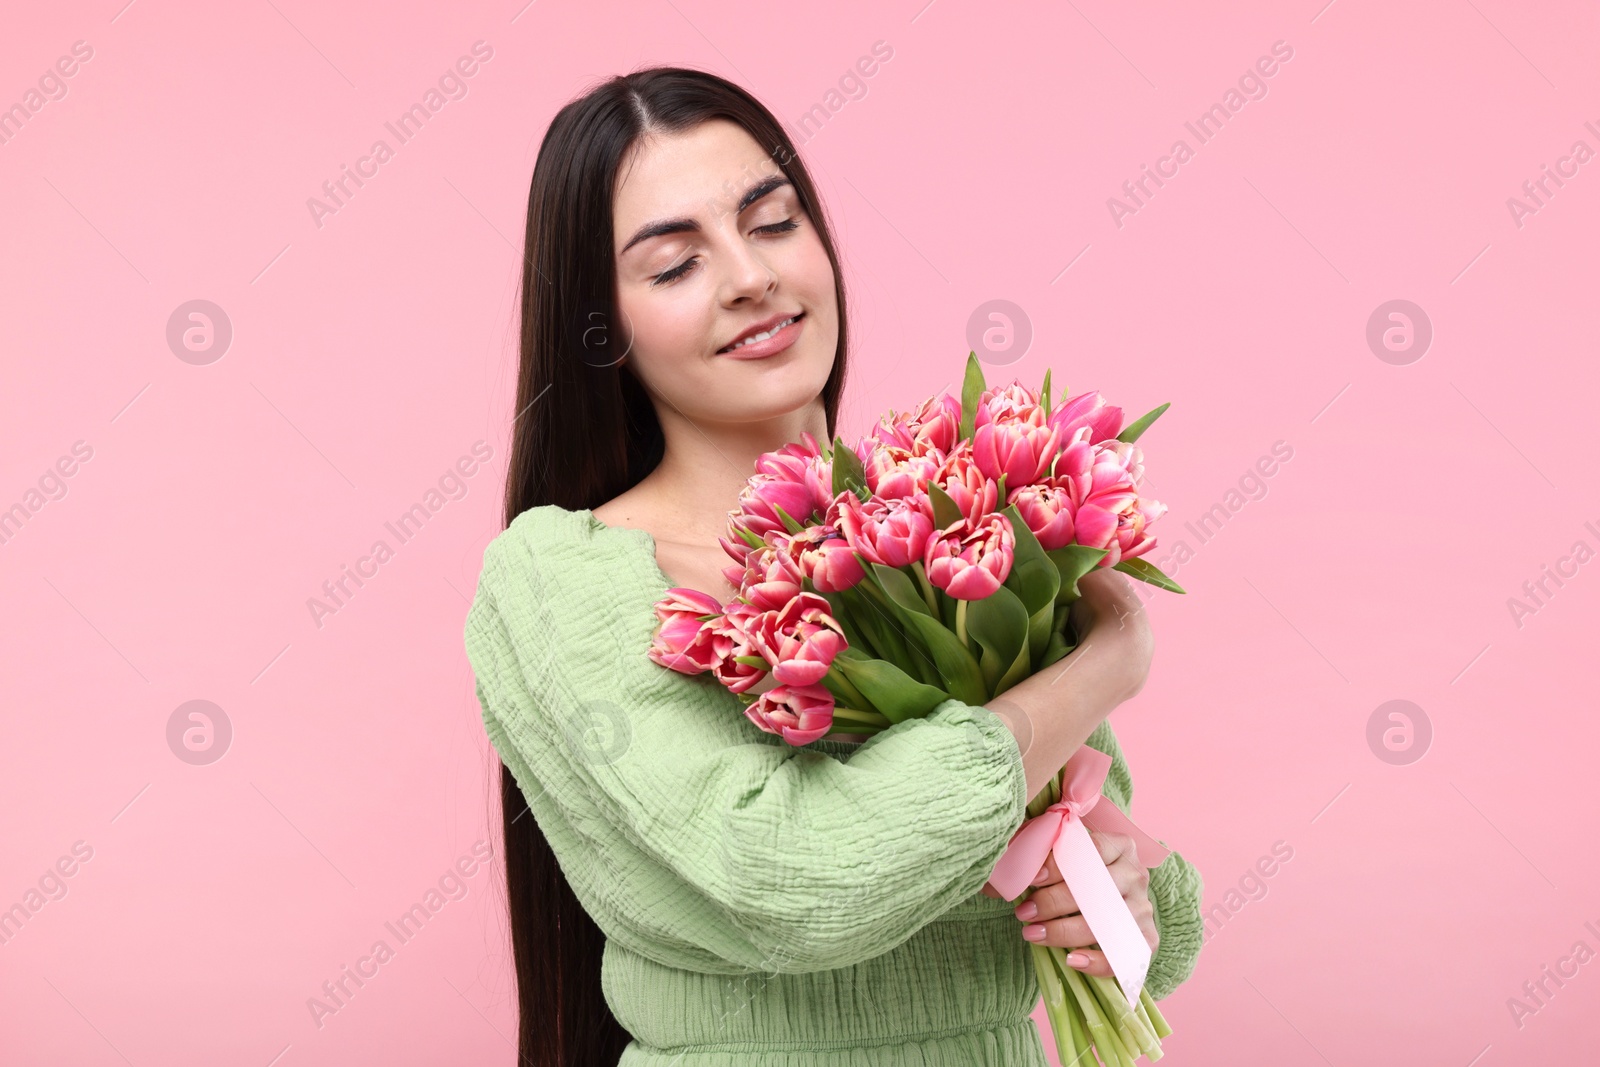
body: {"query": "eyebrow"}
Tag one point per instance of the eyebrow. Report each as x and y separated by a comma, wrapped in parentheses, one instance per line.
(663, 227)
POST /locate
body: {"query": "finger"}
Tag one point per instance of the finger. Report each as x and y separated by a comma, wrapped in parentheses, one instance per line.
(1049, 902)
(1089, 961)
(1049, 873)
(990, 891)
(1131, 879)
(1070, 932)
(1113, 845)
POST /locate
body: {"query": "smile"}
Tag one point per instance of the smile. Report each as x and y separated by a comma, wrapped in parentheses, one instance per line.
(774, 339)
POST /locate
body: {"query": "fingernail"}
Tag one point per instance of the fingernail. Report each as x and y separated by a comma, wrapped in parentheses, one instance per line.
(1042, 877)
(1033, 933)
(1027, 910)
(1077, 959)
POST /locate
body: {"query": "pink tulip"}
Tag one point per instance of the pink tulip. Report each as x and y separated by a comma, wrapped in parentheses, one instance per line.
(1087, 409)
(1075, 458)
(684, 640)
(933, 424)
(973, 491)
(1009, 403)
(890, 532)
(969, 560)
(737, 548)
(768, 580)
(1130, 457)
(732, 638)
(818, 478)
(1118, 469)
(823, 555)
(796, 479)
(1132, 539)
(788, 462)
(894, 472)
(799, 639)
(1047, 509)
(1092, 500)
(798, 713)
(798, 464)
(1011, 436)
(761, 498)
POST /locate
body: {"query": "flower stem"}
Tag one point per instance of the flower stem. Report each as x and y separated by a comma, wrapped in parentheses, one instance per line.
(1070, 1044)
(1158, 1022)
(851, 693)
(1106, 1042)
(926, 586)
(853, 729)
(867, 718)
(1136, 1037)
(961, 621)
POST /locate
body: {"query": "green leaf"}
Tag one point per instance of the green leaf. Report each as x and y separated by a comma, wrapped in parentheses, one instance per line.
(1140, 425)
(958, 668)
(1058, 622)
(1034, 577)
(790, 523)
(753, 661)
(893, 692)
(898, 586)
(999, 623)
(945, 510)
(843, 691)
(1073, 562)
(1147, 572)
(749, 538)
(954, 667)
(1040, 629)
(1020, 668)
(889, 587)
(869, 609)
(847, 470)
(1044, 394)
(843, 613)
(972, 387)
(1054, 650)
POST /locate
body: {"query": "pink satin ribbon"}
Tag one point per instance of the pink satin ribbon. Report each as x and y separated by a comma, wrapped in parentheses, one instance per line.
(1062, 830)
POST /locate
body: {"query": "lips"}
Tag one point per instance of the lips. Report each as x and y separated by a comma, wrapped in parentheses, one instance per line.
(765, 327)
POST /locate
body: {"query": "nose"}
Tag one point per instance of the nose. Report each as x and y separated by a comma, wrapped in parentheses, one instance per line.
(747, 276)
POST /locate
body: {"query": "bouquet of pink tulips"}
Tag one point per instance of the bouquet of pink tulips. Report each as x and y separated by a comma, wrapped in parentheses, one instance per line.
(937, 558)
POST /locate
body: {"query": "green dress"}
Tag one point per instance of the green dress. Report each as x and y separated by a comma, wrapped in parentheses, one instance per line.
(764, 904)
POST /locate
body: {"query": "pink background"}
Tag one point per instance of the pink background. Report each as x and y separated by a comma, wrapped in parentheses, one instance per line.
(369, 354)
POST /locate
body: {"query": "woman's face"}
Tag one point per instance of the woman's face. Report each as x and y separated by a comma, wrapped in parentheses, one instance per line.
(712, 246)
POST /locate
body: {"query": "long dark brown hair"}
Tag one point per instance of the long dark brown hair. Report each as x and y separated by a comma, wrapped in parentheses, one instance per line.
(584, 431)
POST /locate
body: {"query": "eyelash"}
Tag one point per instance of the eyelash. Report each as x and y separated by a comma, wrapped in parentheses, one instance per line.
(786, 226)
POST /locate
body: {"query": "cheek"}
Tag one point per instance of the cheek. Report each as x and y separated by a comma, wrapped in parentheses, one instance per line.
(664, 332)
(811, 272)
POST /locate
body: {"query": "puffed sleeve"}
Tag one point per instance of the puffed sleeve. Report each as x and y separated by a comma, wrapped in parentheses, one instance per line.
(691, 836)
(1175, 885)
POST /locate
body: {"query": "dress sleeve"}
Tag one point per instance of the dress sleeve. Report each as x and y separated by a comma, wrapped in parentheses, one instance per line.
(699, 841)
(1175, 885)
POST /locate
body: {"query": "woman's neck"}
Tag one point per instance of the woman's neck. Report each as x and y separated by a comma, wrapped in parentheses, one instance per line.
(705, 465)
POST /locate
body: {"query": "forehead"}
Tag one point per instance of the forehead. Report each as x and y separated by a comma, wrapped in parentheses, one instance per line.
(688, 173)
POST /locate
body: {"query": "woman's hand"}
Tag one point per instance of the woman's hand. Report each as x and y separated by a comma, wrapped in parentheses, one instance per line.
(1111, 612)
(1053, 914)
(1054, 711)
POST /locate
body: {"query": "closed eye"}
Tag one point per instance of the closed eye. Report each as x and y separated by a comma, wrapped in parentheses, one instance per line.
(683, 268)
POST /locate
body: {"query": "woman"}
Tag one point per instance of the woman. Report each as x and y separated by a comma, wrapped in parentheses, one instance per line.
(690, 890)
